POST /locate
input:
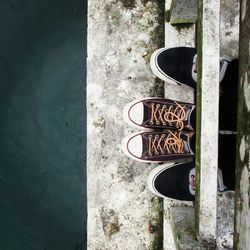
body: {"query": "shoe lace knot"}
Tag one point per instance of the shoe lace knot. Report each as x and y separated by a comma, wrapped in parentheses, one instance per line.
(166, 143)
(168, 114)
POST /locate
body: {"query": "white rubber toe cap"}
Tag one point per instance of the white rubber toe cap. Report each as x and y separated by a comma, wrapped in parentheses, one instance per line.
(135, 146)
(136, 113)
(132, 146)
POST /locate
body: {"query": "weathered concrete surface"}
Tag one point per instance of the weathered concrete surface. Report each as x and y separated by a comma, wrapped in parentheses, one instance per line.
(242, 200)
(185, 36)
(225, 220)
(182, 223)
(229, 29)
(207, 113)
(174, 37)
(122, 213)
(183, 12)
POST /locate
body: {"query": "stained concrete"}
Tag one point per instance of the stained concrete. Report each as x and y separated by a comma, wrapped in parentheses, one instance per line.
(183, 12)
(229, 43)
(122, 213)
(182, 223)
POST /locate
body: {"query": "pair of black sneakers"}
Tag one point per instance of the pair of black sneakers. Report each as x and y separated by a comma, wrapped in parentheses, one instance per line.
(169, 126)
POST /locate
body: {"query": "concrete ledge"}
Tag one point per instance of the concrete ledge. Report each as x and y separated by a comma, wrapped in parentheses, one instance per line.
(122, 212)
(183, 12)
(174, 37)
(182, 225)
(207, 120)
(185, 36)
(182, 222)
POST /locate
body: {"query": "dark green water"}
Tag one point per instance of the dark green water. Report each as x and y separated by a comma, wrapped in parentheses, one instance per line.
(42, 125)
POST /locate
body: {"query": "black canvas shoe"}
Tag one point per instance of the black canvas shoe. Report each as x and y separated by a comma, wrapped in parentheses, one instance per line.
(178, 65)
(178, 181)
(174, 65)
(159, 113)
(159, 146)
(173, 181)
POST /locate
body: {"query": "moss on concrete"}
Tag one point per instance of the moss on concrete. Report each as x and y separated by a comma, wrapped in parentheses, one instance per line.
(198, 117)
(155, 225)
(158, 89)
(110, 222)
(182, 26)
(182, 21)
(158, 35)
(167, 16)
(100, 122)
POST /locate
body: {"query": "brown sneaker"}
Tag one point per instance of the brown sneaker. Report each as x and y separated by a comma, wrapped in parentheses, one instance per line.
(159, 113)
(159, 146)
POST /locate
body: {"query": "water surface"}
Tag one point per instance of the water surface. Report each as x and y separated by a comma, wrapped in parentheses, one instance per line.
(42, 125)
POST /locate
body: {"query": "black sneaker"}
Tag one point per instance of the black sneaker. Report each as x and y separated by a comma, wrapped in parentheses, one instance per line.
(178, 65)
(174, 65)
(159, 146)
(173, 181)
(159, 113)
(178, 181)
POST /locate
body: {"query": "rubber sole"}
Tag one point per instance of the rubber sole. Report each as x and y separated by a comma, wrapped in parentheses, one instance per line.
(157, 71)
(154, 174)
(127, 153)
(126, 112)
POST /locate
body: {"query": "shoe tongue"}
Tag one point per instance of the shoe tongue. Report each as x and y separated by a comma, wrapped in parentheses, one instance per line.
(223, 68)
(192, 181)
(220, 185)
(194, 68)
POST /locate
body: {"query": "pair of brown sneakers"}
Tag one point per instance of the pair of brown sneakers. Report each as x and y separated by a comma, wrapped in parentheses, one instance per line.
(168, 129)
